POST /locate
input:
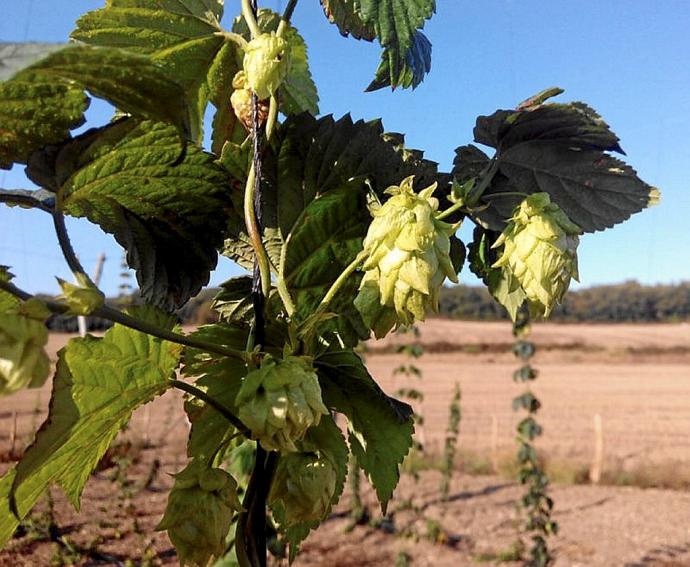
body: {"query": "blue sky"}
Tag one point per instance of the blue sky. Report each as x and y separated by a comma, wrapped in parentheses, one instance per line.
(628, 59)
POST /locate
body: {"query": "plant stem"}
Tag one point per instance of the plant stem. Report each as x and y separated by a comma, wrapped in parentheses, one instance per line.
(125, 320)
(66, 247)
(250, 18)
(342, 278)
(450, 210)
(506, 194)
(254, 231)
(220, 408)
(24, 201)
(234, 37)
(287, 15)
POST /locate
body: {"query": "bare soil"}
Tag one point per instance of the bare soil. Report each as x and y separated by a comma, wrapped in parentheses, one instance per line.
(636, 377)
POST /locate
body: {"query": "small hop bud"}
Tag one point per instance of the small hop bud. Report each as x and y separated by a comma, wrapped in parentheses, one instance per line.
(23, 360)
(266, 63)
(82, 298)
(540, 252)
(199, 513)
(408, 257)
(302, 488)
(241, 101)
(280, 400)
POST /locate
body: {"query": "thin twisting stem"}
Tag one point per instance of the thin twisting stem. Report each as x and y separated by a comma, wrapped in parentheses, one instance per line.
(342, 278)
(220, 408)
(250, 18)
(66, 246)
(286, 17)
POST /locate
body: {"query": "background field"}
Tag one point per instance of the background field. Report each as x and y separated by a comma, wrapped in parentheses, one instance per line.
(636, 377)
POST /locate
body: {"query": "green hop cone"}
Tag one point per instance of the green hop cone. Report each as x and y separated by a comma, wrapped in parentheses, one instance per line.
(82, 298)
(199, 513)
(266, 63)
(540, 252)
(407, 259)
(302, 488)
(280, 400)
(23, 360)
(241, 102)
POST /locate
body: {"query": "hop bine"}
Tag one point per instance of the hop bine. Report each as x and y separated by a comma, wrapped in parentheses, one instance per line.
(281, 400)
(407, 259)
(199, 513)
(540, 252)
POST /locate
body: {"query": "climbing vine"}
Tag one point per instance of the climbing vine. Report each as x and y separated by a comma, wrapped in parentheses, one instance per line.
(344, 232)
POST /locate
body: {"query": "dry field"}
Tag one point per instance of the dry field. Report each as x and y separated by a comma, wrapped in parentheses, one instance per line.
(637, 378)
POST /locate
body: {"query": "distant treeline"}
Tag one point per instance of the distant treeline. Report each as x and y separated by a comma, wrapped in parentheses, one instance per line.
(628, 301)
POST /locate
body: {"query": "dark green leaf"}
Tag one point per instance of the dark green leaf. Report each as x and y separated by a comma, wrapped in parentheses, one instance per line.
(346, 15)
(380, 428)
(180, 35)
(234, 302)
(97, 385)
(410, 73)
(469, 163)
(122, 178)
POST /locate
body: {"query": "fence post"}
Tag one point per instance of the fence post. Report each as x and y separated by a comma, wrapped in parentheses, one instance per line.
(597, 462)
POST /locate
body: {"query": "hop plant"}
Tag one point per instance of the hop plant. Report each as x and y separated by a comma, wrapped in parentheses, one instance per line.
(266, 63)
(23, 337)
(280, 400)
(82, 298)
(302, 488)
(407, 258)
(241, 101)
(199, 513)
(540, 252)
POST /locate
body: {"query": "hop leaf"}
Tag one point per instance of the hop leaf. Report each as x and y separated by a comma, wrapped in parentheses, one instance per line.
(281, 400)
(266, 63)
(540, 252)
(23, 361)
(200, 509)
(408, 257)
(302, 488)
(82, 298)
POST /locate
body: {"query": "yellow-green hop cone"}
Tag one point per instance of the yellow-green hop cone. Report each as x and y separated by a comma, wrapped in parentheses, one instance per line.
(540, 252)
(82, 298)
(23, 360)
(280, 400)
(266, 63)
(302, 488)
(200, 509)
(408, 258)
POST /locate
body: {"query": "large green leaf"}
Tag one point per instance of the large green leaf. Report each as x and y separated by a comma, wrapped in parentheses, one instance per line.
(396, 23)
(560, 149)
(97, 385)
(123, 178)
(180, 35)
(297, 93)
(380, 428)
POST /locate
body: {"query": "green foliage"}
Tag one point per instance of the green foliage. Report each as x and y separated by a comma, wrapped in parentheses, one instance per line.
(122, 178)
(380, 428)
(97, 385)
(306, 232)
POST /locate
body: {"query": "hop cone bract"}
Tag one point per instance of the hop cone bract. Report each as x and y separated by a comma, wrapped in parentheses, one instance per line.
(408, 257)
(281, 400)
(200, 509)
(303, 487)
(266, 63)
(540, 252)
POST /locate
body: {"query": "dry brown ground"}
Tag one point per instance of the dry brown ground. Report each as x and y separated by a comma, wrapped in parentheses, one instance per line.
(636, 377)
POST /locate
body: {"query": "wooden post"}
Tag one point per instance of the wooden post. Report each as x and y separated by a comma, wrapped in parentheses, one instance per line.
(597, 462)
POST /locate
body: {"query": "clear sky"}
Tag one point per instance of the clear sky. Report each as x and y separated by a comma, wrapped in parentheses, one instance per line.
(626, 58)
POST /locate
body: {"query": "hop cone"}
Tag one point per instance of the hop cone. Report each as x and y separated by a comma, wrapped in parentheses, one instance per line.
(23, 336)
(266, 63)
(200, 509)
(241, 101)
(540, 252)
(302, 488)
(281, 400)
(408, 257)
